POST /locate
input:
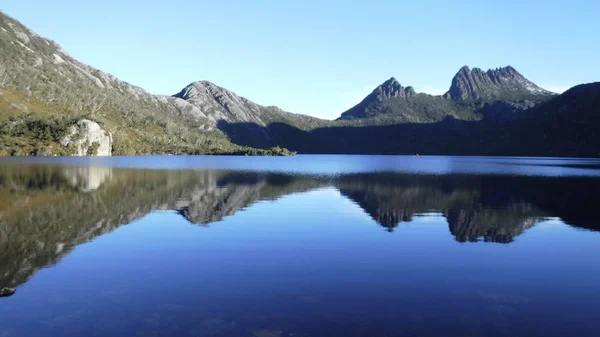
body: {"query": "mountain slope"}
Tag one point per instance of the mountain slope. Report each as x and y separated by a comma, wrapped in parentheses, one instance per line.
(44, 92)
(41, 78)
(566, 125)
(221, 104)
(473, 95)
(392, 103)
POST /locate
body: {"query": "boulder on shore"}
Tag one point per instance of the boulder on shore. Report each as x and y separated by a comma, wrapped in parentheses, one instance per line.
(5, 292)
(88, 139)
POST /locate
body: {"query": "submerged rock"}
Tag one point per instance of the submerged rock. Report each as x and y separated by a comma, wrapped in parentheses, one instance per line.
(5, 292)
(88, 139)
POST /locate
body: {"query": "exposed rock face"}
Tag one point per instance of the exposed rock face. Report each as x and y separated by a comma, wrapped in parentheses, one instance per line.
(89, 139)
(391, 103)
(494, 84)
(393, 88)
(221, 104)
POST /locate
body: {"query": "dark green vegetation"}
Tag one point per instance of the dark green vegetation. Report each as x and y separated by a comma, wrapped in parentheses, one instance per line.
(391, 103)
(565, 125)
(34, 135)
(494, 112)
(45, 211)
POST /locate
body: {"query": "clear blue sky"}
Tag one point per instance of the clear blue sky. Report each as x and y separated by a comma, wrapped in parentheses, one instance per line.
(320, 57)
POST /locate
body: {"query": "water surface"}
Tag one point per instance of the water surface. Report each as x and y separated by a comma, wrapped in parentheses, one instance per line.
(300, 246)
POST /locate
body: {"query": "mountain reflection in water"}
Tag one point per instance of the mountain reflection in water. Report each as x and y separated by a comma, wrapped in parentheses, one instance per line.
(45, 211)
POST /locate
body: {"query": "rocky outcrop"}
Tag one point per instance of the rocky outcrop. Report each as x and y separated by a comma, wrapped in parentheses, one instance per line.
(393, 88)
(5, 292)
(88, 139)
(220, 103)
(504, 83)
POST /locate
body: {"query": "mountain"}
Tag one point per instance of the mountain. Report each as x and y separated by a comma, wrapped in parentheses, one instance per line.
(41, 84)
(473, 95)
(52, 104)
(505, 84)
(566, 125)
(221, 104)
(392, 103)
(242, 120)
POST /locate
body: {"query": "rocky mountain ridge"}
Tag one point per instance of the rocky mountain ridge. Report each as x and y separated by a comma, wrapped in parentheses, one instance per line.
(224, 105)
(470, 91)
(504, 83)
(44, 91)
(37, 74)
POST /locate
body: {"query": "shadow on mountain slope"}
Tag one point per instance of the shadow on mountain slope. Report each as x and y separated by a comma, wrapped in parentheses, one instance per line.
(565, 126)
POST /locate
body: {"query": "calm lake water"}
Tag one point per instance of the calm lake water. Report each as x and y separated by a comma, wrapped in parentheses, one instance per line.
(300, 246)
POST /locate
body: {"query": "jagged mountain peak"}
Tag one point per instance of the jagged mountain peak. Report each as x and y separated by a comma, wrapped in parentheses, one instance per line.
(464, 70)
(392, 88)
(504, 83)
(381, 99)
(391, 81)
(201, 88)
(506, 70)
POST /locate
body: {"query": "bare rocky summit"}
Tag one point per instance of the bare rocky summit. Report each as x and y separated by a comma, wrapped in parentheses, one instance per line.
(224, 105)
(391, 103)
(393, 88)
(504, 83)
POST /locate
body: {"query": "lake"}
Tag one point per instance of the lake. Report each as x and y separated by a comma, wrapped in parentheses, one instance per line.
(300, 246)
